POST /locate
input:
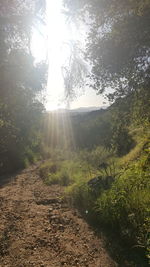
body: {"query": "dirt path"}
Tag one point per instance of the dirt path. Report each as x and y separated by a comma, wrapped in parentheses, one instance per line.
(38, 229)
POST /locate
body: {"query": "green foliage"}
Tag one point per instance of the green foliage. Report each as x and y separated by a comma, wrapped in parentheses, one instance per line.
(108, 129)
(99, 161)
(63, 172)
(48, 167)
(21, 81)
(78, 195)
(117, 45)
(30, 155)
(96, 156)
(74, 71)
(134, 154)
(25, 163)
(113, 128)
(124, 204)
(54, 173)
(121, 141)
(61, 178)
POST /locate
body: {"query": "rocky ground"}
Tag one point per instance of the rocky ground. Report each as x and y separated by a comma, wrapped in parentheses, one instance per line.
(37, 228)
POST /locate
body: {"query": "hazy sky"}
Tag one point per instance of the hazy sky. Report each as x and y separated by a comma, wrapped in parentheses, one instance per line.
(53, 43)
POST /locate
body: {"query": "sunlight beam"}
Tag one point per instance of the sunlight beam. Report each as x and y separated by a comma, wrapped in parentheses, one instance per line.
(58, 35)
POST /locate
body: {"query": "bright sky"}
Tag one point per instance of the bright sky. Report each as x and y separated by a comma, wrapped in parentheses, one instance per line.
(53, 42)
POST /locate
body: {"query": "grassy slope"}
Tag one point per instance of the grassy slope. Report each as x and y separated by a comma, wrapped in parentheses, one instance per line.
(122, 205)
(125, 206)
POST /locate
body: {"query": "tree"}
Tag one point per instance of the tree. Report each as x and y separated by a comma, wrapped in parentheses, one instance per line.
(118, 43)
(20, 81)
(74, 71)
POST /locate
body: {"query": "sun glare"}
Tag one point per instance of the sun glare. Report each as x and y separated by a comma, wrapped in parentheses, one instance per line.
(51, 42)
(58, 36)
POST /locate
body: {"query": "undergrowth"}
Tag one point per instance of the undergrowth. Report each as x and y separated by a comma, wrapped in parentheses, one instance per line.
(125, 205)
(63, 172)
(114, 191)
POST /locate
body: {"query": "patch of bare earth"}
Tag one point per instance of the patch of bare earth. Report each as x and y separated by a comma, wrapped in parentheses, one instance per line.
(38, 229)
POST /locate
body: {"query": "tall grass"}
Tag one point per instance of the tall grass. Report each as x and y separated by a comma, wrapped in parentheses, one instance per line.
(122, 204)
(125, 206)
(63, 172)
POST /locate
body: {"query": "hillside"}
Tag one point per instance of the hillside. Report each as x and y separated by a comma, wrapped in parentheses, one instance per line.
(103, 159)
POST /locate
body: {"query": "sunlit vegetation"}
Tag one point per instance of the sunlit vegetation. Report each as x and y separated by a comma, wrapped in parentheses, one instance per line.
(64, 172)
(107, 189)
(106, 172)
(117, 43)
(102, 158)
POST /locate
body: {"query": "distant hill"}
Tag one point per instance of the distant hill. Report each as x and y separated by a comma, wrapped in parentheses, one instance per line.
(87, 109)
(79, 110)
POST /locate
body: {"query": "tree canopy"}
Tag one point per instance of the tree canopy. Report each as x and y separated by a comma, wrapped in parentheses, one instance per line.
(118, 43)
(21, 81)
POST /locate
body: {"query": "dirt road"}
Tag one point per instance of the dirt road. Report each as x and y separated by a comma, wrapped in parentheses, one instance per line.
(38, 229)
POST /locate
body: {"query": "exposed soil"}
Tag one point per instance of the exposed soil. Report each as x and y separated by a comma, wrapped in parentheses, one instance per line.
(37, 228)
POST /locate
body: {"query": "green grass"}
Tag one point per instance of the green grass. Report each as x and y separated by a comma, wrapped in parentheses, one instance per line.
(134, 154)
(64, 172)
(125, 205)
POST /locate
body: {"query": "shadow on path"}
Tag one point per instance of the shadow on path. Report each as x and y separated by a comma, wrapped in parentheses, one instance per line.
(120, 251)
(7, 178)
